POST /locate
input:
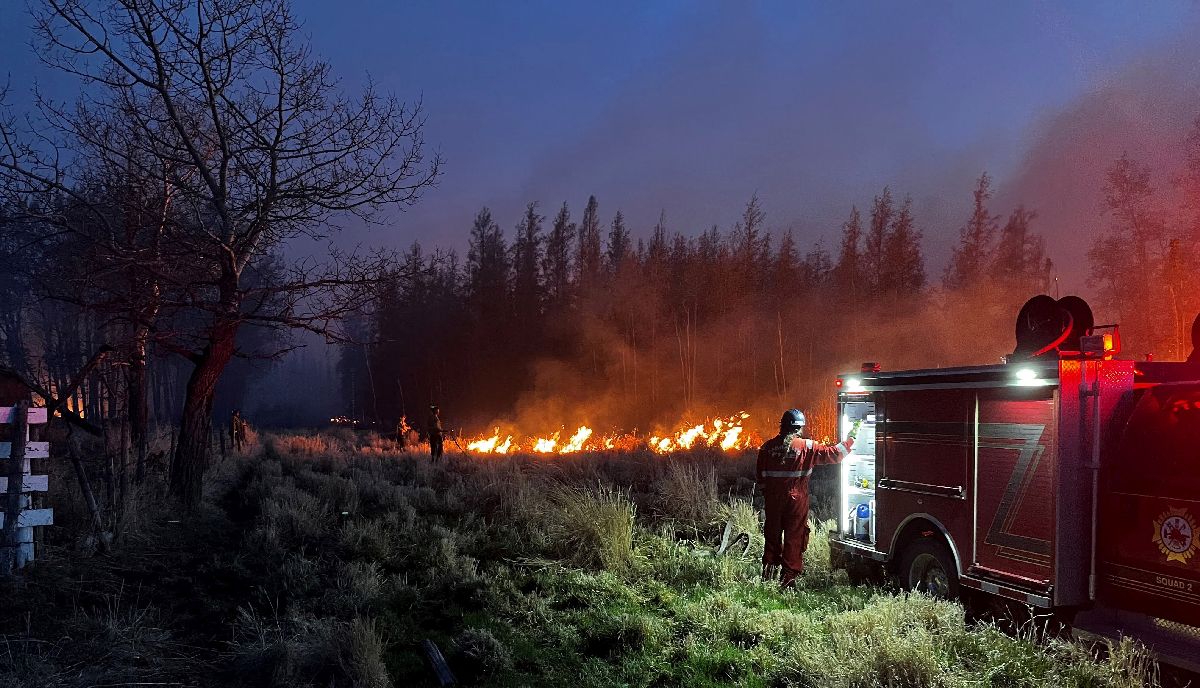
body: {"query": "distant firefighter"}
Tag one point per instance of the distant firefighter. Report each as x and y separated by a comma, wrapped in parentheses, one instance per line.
(404, 432)
(785, 463)
(434, 428)
(237, 430)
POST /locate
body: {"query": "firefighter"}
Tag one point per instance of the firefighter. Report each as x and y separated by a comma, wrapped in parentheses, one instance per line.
(237, 430)
(785, 463)
(434, 428)
(402, 430)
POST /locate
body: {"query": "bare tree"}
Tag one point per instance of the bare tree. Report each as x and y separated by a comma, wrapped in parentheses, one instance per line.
(225, 104)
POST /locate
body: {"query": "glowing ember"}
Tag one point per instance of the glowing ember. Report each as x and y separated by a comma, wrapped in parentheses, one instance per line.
(726, 434)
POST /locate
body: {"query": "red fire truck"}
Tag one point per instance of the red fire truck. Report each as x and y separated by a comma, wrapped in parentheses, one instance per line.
(1064, 479)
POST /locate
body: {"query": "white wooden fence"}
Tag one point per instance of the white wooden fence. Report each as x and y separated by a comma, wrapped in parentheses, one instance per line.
(29, 518)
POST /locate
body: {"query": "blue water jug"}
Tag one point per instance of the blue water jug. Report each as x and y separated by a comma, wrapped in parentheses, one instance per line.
(862, 522)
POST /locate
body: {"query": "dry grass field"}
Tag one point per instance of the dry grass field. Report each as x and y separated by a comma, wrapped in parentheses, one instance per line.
(326, 559)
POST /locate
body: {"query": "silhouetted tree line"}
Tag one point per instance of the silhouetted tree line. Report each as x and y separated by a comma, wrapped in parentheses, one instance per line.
(574, 321)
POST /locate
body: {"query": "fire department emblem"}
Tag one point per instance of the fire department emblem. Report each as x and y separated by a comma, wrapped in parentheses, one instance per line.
(1175, 534)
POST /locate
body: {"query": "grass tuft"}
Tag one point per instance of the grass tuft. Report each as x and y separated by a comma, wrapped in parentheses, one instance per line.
(591, 528)
(686, 492)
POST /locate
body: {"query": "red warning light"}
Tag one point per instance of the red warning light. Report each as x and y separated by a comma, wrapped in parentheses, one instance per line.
(837, 382)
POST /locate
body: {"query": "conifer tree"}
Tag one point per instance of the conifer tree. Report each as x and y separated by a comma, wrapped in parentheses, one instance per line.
(848, 273)
(619, 248)
(487, 267)
(973, 254)
(658, 252)
(527, 259)
(556, 264)
(1019, 265)
(786, 278)
(588, 257)
(1127, 258)
(817, 267)
(750, 246)
(903, 269)
(882, 209)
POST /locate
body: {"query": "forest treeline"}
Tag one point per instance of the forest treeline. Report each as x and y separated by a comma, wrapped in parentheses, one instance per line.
(566, 319)
(573, 321)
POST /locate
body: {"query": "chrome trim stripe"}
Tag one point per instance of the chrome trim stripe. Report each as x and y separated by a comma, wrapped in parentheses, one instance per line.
(858, 548)
(955, 492)
(1006, 591)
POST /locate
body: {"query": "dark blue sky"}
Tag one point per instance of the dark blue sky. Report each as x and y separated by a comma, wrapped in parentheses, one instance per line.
(693, 106)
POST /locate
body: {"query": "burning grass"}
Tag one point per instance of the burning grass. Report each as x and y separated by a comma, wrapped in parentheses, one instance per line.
(308, 568)
(728, 434)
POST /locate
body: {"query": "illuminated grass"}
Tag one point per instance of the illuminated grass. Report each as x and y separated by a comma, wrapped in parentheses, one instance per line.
(333, 569)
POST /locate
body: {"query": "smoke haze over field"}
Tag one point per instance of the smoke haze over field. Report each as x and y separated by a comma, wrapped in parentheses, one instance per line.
(690, 108)
(1145, 110)
(733, 102)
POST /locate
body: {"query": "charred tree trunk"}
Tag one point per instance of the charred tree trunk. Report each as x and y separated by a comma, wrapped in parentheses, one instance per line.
(191, 451)
(138, 401)
(103, 536)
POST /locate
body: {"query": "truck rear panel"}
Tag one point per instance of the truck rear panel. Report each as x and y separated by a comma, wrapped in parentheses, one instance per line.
(1150, 513)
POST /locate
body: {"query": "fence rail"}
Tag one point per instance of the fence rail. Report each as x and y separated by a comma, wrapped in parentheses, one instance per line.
(33, 450)
(31, 518)
(37, 416)
(28, 518)
(29, 483)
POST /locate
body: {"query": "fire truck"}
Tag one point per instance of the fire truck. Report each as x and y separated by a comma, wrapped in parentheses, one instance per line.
(1064, 478)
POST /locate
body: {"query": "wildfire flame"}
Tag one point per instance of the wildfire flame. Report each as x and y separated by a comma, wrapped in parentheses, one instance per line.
(491, 445)
(726, 434)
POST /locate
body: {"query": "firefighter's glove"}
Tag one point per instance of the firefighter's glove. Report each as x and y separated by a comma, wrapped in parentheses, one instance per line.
(849, 443)
(759, 501)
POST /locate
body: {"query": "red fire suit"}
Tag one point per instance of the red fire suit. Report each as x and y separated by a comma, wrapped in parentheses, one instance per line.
(782, 473)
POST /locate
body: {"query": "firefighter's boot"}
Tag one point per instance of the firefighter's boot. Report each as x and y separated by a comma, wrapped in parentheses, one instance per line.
(788, 578)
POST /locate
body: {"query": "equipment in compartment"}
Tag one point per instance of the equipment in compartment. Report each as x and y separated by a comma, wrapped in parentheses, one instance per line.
(858, 471)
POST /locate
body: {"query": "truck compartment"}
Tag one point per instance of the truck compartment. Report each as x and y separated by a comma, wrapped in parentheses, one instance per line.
(858, 472)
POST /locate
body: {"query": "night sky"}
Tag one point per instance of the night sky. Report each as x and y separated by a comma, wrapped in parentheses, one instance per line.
(690, 107)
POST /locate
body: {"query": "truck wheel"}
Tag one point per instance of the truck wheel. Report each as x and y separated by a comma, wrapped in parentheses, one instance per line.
(927, 566)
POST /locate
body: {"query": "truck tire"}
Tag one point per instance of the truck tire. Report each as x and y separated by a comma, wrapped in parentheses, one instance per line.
(928, 566)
